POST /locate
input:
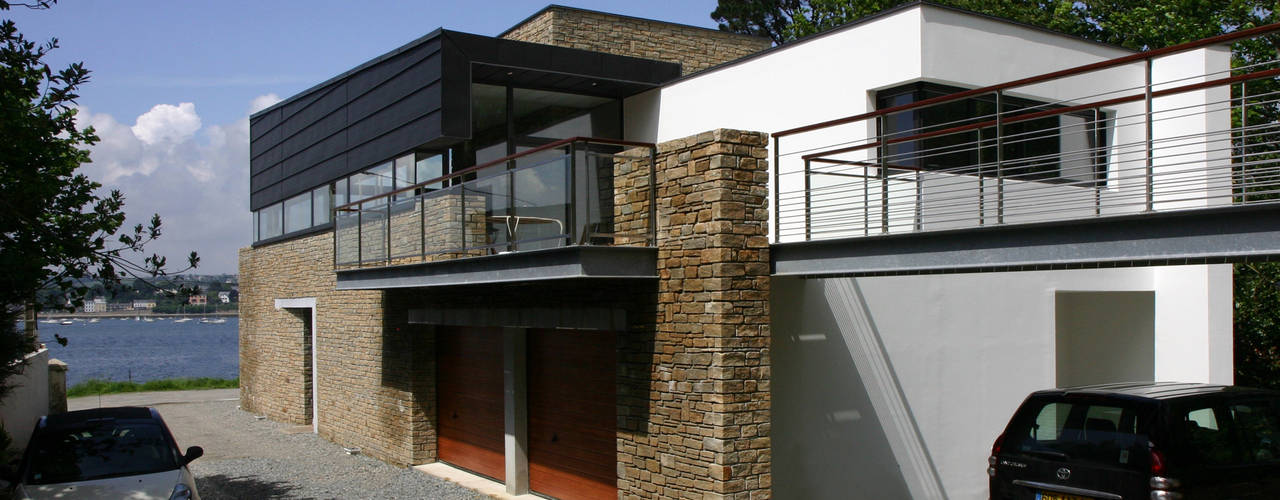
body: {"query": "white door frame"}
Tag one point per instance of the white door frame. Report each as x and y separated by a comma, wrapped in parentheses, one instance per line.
(309, 303)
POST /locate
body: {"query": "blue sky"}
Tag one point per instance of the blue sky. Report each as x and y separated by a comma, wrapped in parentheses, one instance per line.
(174, 81)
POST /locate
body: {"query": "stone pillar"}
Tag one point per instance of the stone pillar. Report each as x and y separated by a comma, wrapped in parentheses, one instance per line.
(706, 434)
(57, 386)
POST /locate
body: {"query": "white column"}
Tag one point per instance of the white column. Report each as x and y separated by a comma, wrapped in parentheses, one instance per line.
(515, 413)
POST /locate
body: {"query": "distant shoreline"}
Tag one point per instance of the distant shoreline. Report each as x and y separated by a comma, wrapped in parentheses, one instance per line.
(132, 314)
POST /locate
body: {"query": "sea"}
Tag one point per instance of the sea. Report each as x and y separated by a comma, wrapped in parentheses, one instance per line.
(133, 349)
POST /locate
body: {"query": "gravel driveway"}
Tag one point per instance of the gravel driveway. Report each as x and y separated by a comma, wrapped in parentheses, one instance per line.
(245, 457)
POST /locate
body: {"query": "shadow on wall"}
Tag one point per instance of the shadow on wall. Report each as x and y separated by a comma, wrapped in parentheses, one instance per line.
(407, 397)
(827, 439)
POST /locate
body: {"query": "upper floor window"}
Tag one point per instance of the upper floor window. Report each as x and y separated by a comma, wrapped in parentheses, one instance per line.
(1063, 148)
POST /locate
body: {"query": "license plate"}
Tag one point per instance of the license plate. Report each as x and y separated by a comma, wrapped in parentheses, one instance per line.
(1049, 495)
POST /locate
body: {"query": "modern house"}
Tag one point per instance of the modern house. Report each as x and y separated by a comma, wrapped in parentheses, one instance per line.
(599, 256)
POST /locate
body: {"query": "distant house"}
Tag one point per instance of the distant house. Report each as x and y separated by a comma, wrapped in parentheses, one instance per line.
(224, 297)
(198, 300)
(98, 304)
(144, 304)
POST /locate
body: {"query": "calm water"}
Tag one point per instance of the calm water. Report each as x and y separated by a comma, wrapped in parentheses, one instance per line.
(118, 349)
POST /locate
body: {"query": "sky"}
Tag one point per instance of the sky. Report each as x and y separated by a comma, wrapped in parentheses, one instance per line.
(174, 82)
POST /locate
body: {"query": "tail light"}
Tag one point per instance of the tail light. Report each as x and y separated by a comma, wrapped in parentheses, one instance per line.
(1162, 487)
(995, 451)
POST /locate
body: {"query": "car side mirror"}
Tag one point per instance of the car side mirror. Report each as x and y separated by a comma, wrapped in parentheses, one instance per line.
(192, 453)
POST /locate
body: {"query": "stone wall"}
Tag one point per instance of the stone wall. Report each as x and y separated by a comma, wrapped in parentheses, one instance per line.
(694, 48)
(703, 430)
(375, 378)
(693, 362)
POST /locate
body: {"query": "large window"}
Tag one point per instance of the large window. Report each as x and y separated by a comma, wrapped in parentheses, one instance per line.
(505, 120)
(1065, 148)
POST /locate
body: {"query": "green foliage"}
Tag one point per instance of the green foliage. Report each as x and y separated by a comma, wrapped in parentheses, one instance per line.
(98, 386)
(1257, 324)
(57, 231)
(1135, 24)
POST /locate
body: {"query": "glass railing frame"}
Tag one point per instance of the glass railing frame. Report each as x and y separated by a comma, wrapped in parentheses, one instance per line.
(569, 233)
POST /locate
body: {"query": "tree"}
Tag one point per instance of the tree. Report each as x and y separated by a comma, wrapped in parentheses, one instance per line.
(56, 230)
(1137, 25)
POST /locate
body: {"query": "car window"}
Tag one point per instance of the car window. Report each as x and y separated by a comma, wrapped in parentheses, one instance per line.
(1205, 431)
(1100, 433)
(98, 450)
(1258, 426)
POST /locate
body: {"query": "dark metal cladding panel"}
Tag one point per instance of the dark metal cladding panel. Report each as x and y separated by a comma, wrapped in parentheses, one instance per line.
(267, 137)
(317, 175)
(263, 123)
(267, 177)
(365, 81)
(265, 160)
(322, 151)
(390, 118)
(455, 84)
(292, 108)
(268, 196)
(393, 91)
(304, 142)
(401, 139)
(320, 131)
(317, 110)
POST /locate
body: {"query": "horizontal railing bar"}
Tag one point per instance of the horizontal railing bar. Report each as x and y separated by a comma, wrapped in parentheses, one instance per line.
(505, 159)
(1052, 112)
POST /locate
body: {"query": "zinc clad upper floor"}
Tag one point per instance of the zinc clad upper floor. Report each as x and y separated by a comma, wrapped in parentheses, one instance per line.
(416, 98)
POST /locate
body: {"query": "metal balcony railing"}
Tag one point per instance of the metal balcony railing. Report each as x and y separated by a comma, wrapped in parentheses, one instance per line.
(577, 191)
(1151, 132)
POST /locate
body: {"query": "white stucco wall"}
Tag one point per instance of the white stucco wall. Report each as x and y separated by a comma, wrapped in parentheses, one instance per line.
(28, 400)
(893, 387)
(924, 371)
(836, 75)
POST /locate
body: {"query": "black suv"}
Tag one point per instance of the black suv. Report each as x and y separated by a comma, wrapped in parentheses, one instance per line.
(1140, 440)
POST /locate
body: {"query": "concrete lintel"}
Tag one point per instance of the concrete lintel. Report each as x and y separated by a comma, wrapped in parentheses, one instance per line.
(1189, 237)
(537, 265)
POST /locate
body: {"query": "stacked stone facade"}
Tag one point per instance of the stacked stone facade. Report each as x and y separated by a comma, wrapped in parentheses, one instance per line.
(693, 401)
(375, 375)
(694, 48)
(703, 429)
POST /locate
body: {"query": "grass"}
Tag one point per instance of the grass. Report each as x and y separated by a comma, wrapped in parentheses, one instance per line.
(99, 386)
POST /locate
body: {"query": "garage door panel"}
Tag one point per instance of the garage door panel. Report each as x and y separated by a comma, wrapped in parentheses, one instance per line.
(469, 399)
(572, 414)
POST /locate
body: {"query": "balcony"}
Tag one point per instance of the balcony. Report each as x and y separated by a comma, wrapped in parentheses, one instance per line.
(575, 208)
(1166, 155)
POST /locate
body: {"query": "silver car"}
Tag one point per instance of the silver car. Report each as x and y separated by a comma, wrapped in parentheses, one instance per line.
(123, 452)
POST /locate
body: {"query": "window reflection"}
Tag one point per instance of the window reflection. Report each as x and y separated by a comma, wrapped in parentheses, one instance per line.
(1061, 148)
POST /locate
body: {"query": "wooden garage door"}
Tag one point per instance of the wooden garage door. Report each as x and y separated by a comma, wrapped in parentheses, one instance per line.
(469, 399)
(572, 414)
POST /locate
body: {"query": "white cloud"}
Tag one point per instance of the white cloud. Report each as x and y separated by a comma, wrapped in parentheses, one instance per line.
(263, 102)
(195, 177)
(167, 123)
